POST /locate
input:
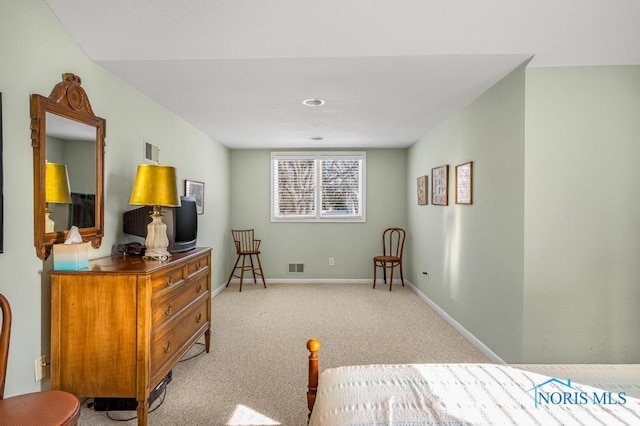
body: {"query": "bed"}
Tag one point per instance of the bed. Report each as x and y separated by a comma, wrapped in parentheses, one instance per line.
(461, 394)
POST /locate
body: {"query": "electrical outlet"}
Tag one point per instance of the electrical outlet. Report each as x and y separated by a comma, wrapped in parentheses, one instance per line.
(332, 261)
(41, 367)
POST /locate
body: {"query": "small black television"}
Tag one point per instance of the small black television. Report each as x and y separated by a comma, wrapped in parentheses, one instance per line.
(182, 224)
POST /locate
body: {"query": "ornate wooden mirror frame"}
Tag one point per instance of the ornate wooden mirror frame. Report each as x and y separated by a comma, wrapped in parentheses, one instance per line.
(67, 105)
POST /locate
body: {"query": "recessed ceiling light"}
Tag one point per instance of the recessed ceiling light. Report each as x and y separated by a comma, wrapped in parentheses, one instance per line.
(317, 138)
(313, 102)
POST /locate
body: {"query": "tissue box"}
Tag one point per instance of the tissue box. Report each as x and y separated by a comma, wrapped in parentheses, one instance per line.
(70, 257)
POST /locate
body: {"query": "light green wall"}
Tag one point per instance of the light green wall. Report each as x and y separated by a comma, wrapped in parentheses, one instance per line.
(35, 50)
(353, 245)
(582, 222)
(543, 268)
(82, 174)
(474, 254)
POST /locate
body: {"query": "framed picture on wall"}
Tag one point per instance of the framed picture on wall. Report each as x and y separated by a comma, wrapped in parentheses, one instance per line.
(439, 185)
(422, 190)
(195, 189)
(464, 183)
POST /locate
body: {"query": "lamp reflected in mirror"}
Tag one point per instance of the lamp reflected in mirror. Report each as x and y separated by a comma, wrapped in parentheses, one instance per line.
(156, 186)
(57, 191)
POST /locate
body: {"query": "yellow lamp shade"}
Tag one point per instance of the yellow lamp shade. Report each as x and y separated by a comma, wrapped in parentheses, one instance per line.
(57, 184)
(155, 185)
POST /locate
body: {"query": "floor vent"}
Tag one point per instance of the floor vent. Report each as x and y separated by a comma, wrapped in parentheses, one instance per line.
(296, 268)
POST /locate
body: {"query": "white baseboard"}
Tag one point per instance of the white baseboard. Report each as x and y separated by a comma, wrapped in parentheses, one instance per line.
(329, 281)
(217, 290)
(318, 281)
(459, 328)
(310, 281)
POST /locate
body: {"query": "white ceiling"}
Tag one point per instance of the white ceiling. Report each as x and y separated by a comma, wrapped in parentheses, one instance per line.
(389, 70)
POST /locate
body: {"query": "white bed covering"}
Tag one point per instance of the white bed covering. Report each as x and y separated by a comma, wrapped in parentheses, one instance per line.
(478, 394)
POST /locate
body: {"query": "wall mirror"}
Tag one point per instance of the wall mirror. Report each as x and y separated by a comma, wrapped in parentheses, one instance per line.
(68, 157)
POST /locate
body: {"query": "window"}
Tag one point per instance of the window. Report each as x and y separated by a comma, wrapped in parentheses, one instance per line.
(317, 186)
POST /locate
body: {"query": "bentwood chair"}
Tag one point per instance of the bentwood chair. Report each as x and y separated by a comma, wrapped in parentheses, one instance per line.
(46, 408)
(391, 258)
(246, 246)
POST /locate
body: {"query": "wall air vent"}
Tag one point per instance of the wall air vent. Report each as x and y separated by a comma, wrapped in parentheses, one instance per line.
(151, 153)
(296, 268)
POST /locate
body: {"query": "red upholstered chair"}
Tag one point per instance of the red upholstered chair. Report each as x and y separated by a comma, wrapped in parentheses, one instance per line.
(392, 247)
(46, 408)
(246, 246)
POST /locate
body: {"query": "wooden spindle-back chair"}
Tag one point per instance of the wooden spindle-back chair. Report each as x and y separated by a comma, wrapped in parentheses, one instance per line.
(391, 258)
(246, 246)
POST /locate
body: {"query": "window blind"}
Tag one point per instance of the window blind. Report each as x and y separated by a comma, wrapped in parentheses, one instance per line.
(317, 186)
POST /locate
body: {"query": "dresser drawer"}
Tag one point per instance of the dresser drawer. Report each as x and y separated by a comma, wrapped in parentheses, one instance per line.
(168, 342)
(170, 301)
(197, 266)
(167, 278)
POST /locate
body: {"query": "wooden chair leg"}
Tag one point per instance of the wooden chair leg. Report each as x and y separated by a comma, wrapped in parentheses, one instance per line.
(242, 271)
(391, 277)
(401, 276)
(375, 269)
(233, 270)
(264, 283)
(253, 268)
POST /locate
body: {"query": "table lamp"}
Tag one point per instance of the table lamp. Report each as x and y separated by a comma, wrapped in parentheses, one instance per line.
(57, 190)
(156, 186)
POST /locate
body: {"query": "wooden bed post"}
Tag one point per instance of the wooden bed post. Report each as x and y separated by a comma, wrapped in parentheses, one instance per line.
(314, 346)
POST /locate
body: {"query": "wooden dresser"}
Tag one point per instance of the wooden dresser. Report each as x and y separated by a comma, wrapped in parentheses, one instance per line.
(120, 326)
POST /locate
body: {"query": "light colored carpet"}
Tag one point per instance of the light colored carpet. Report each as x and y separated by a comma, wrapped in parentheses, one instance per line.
(256, 371)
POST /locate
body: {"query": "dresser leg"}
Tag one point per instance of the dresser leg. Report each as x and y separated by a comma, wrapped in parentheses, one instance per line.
(207, 339)
(143, 413)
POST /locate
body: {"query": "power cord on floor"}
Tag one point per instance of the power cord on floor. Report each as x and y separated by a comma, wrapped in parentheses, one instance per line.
(164, 391)
(195, 355)
(151, 409)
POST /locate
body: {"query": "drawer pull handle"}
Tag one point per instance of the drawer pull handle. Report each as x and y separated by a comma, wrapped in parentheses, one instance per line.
(198, 318)
(168, 280)
(199, 288)
(198, 266)
(167, 310)
(167, 348)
